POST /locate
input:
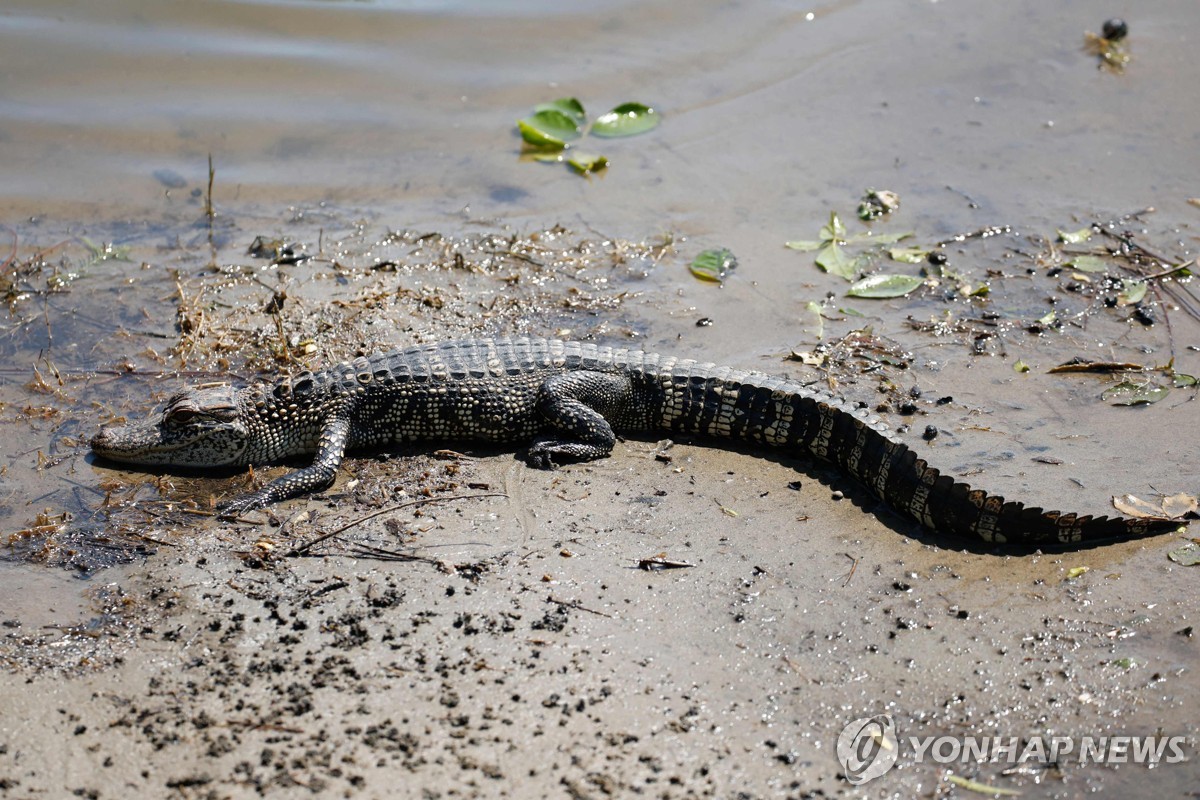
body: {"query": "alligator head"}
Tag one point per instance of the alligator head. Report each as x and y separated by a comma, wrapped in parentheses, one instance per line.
(201, 427)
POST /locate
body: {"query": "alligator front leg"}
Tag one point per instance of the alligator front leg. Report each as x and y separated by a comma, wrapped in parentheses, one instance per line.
(318, 475)
(573, 403)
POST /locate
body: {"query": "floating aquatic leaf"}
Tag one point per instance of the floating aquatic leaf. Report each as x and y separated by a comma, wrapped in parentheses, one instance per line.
(627, 119)
(565, 105)
(1020, 366)
(881, 238)
(548, 128)
(587, 162)
(1186, 556)
(1133, 292)
(834, 260)
(832, 257)
(1075, 237)
(983, 290)
(1183, 380)
(883, 286)
(1088, 264)
(908, 255)
(834, 230)
(544, 157)
(1127, 393)
(713, 265)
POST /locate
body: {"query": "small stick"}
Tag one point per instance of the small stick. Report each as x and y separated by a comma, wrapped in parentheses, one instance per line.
(304, 548)
(1171, 271)
(575, 604)
(853, 566)
(208, 204)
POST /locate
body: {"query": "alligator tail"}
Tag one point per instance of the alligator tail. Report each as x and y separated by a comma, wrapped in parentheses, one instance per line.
(895, 474)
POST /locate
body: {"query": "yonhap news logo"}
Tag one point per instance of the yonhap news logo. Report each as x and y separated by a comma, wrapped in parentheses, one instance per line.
(869, 746)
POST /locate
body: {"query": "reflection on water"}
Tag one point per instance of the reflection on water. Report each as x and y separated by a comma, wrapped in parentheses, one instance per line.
(773, 109)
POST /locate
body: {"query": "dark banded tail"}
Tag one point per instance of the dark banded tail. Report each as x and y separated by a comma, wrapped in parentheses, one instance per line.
(754, 407)
(895, 474)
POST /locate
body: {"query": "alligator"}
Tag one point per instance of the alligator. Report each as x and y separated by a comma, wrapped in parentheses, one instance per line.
(567, 400)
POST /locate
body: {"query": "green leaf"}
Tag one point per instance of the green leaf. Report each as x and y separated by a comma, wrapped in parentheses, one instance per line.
(1183, 380)
(1126, 663)
(1047, 320)
(713, 265)
(881, 238)
(834, 230)
(983, 291)
(1088, 264)
(565, 105)
(1133, 292)
(804, 245)
(1186, 556)
(584, 163)
(548, 128)
(1075, 237)
(1020, 366)
(883, 286)
(1075, 572)
(834, 260)
(908, 255)
(1127, 393)
(627, 119)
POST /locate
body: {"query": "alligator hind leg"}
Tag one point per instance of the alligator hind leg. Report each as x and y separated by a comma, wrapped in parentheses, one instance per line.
(575, 403)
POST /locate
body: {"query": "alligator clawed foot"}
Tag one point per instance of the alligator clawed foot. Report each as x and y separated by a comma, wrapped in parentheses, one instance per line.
(233, 509)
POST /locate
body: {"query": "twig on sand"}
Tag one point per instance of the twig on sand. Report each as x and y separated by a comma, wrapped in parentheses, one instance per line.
(304, 548)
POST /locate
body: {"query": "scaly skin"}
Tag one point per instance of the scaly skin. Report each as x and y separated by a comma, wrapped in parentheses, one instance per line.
(568, 399)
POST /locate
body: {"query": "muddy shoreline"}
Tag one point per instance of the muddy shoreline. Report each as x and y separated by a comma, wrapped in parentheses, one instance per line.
(482, 629)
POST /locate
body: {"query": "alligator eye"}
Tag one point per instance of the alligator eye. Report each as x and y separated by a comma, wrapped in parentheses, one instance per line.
(181, 416)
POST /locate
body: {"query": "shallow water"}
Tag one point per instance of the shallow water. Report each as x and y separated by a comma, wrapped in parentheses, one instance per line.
(342, 119)
(772, 117)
